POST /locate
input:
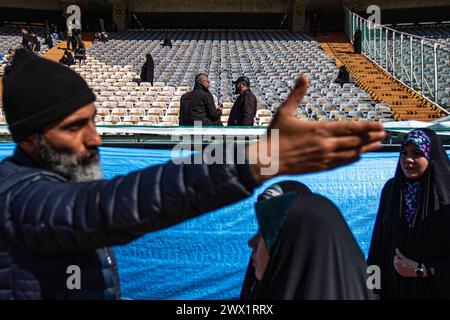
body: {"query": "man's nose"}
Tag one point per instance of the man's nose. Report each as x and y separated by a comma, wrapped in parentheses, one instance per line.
(92, 138)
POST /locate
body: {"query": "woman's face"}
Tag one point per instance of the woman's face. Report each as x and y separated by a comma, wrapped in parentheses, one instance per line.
(260, 255)
(413, 162)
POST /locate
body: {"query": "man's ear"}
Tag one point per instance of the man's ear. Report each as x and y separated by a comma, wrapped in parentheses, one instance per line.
(30, 144)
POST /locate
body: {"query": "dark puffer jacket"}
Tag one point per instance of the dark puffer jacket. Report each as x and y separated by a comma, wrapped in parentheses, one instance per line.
(48, 224)
(198, 105)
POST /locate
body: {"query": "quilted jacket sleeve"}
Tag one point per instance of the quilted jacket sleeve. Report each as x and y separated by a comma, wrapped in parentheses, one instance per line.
(46, 214)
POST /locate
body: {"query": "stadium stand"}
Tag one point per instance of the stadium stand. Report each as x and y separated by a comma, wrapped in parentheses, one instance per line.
(271, 59)
(10, 38)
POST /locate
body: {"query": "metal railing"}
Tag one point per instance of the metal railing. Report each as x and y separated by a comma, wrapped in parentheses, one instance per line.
(419, 63)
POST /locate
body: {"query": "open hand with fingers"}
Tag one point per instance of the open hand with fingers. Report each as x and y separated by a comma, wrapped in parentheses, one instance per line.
(304, 147)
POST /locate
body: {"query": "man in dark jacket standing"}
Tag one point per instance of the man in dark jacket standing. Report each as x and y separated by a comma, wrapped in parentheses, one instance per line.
(26, 39)
(198, 105)
(244, 109)
(35, 42)
(58, 218)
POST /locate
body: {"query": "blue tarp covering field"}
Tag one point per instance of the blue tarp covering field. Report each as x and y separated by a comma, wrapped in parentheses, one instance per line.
(205, 258)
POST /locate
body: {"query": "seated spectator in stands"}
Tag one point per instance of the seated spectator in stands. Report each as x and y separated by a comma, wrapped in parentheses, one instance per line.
(49, 41)
(56, 34)
(9, 58)
(343, 76)
(67, 59)
(303, 249)
(104, 37)
(80, 54)
(198, 105)
(148, 69)
(167, 41)
(35, 42)
(97, 36)
(243, 111)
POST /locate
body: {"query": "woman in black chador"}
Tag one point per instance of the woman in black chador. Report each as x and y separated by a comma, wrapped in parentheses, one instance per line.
(148, 69)
(303, 249)
(343, 76)
(411, 236)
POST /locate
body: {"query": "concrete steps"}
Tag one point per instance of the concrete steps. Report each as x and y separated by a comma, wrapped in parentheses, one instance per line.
(383, 88)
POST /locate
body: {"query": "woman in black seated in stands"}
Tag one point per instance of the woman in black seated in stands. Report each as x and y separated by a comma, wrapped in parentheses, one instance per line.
(303, 249)
(343, 76)
(411, 236)
(67, 59)
(48, 41)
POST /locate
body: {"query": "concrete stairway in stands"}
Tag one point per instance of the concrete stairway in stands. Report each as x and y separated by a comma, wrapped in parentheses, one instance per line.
(404, 103)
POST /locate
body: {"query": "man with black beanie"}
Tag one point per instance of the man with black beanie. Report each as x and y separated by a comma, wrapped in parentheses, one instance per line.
(57, 215)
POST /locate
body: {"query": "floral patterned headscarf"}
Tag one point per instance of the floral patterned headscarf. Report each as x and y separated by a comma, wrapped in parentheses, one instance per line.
(411, 189)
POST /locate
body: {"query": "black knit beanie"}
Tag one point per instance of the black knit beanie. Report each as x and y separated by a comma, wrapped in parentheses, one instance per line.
(38, 92)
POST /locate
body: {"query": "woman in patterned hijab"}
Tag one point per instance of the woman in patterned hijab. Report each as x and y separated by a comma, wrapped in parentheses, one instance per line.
(411, 237)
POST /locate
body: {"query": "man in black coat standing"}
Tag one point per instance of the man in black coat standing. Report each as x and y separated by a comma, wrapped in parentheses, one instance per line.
(244, 109)
(198, 105)
(148, 70)
(357, 41)
(26, 40)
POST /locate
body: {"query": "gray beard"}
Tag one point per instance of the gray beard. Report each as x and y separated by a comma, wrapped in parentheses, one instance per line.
(82, 168)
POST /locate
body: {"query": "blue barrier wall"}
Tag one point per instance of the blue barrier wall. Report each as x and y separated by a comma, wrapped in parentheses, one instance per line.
(205, 258)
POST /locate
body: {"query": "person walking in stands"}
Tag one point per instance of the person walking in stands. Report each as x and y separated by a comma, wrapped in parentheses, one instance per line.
(56, 210)
(198, 105)
(35, 42)
(243, 111)
(70, 39)
(26, 40)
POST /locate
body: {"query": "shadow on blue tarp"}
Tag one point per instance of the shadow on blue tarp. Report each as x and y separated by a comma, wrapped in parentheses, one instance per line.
(205, 258)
